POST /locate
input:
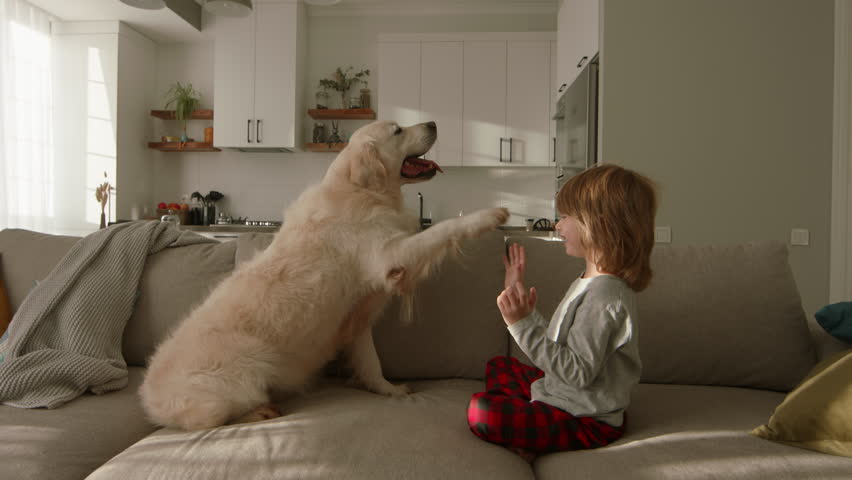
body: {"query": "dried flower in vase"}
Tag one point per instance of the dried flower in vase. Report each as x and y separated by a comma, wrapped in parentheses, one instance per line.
(102, 193)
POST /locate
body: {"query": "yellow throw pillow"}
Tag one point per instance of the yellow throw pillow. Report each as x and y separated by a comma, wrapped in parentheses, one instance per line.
(5, 308)
(817, 414)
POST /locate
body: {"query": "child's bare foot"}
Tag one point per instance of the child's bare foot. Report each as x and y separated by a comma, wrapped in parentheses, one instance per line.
(527, 455)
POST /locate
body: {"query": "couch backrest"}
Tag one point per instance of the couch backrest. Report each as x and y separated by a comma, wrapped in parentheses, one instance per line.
(172, 282)
(713, 315)
(28, 257)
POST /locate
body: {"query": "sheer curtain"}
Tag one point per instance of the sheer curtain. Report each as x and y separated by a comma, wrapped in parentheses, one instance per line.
(26, 118)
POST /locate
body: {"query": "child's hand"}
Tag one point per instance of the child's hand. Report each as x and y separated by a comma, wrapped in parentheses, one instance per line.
(515, 262)
(515, 303)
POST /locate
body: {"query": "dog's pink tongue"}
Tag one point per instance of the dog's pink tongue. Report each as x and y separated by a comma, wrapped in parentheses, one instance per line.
(424, 164)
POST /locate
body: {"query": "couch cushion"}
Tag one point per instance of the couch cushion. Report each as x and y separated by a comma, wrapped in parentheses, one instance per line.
(250, 244)
(27, 258)
(173, 282)
(695, 432)
(818, 413)
(724, 315)
(335, 432)
(456, 327)
(71, 441)
(713, 315)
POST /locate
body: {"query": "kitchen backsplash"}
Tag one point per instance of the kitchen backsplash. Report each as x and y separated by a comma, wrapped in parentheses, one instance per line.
(261, 185)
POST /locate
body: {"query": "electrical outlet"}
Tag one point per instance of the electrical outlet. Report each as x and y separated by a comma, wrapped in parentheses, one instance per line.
(663, 234)
(800, 236)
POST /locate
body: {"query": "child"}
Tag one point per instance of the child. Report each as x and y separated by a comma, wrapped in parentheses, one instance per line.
(588, 355)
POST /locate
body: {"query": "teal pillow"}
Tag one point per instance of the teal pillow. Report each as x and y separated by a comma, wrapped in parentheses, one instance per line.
(836, 319)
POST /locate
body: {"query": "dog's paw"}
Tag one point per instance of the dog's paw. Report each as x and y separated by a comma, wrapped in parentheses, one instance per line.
(488, 219)
(386, 388)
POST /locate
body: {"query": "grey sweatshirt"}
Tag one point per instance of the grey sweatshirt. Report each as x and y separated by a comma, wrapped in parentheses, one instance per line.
(589, 352)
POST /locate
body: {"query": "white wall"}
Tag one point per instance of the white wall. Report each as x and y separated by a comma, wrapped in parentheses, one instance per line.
(260, 185)
(728, 106)
(136, 89)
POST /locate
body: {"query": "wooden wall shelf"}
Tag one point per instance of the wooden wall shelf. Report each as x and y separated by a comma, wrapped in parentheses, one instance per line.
(343, 114)
(325, 147)
(170, 114)
(183, 147)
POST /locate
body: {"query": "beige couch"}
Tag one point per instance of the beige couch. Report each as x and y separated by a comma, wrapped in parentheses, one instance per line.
(722, 337)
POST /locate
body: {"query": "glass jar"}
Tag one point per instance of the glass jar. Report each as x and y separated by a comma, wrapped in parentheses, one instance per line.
(322, 100)
(355, 102)
(365, 98)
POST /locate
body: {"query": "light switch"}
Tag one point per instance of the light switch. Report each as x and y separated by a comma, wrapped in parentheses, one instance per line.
(800, 236)
(663, 234)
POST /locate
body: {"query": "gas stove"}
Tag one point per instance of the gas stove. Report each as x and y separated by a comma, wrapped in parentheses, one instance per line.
(246, 223)
(261, 223)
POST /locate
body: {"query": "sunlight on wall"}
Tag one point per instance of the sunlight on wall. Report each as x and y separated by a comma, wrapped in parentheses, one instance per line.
(100, 137)
(28, 140)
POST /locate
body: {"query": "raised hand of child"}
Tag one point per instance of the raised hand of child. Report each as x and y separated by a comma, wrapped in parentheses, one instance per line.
(515, 303)
(515, 262)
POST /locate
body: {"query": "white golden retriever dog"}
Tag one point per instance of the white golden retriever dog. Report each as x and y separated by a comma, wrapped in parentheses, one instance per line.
(348, 245)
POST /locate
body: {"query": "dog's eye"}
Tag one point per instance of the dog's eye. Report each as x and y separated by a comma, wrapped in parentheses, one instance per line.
(397, 131)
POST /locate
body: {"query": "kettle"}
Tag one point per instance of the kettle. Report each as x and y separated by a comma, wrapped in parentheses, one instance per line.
(171, 217)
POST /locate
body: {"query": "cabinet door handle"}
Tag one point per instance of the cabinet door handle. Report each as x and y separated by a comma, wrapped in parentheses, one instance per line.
(257, 131)
(563, 87)
(582, 61)
(554, 149)
(248, 131)
(501, 150)
(510, 149)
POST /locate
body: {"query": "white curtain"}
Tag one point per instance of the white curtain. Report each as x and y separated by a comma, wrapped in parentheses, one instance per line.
(26, 118)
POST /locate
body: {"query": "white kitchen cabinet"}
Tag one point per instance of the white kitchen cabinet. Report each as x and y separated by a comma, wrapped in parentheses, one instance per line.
(258, 73)
(507, 103)
(578, 30)
(399, 82)
(484, 129)
(441, 96)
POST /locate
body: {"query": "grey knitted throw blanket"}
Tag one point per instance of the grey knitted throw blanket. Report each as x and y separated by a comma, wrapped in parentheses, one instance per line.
(65, 338)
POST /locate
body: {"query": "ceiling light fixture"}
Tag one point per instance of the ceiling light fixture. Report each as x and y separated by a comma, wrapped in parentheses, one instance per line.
(228, 8)
(322, 2)
(145, 4)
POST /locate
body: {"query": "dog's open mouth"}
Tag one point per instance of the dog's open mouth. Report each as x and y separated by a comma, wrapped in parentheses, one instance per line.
(416, 167)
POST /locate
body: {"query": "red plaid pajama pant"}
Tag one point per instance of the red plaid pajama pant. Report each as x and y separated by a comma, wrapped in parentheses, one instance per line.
(504, 414)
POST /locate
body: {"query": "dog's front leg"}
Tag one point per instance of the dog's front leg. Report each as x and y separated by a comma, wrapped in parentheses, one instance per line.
(410, 259)
(366, 366)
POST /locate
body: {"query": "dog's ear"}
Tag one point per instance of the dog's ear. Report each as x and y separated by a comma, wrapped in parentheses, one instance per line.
(366, 168)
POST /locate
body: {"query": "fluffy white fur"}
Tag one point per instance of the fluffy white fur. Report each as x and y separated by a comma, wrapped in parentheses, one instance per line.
(348, 245)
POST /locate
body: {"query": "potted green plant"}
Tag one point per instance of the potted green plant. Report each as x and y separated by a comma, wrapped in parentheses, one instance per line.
(185, 100)
(342, 81)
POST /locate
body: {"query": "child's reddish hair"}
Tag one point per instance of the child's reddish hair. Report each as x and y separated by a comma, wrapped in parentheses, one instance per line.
(616, 208)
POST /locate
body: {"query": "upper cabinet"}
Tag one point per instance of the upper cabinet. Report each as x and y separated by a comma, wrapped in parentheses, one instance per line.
(577, 36)
(489, 93)
(258, 77)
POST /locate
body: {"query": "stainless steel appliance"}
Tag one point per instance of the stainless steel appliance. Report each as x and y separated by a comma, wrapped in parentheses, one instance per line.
(577, 125)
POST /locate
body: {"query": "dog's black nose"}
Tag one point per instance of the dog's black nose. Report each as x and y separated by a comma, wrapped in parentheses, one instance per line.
(432, 125)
